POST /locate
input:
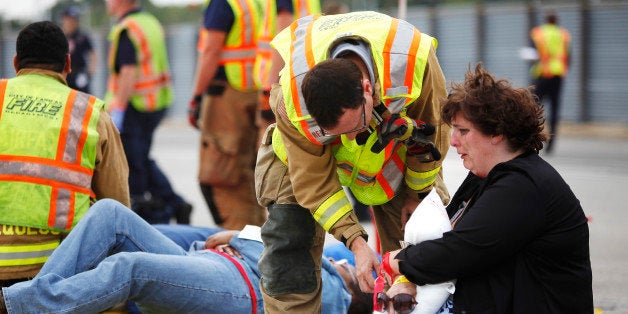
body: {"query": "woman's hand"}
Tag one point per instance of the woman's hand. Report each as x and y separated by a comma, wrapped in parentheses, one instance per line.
(390, 266)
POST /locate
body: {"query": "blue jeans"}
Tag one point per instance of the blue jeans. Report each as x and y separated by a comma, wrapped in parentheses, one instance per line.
(186, 235)
(113, 255)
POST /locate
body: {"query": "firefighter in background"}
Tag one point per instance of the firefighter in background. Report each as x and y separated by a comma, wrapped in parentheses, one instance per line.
(278, 14)
(223, 107)
(353, 107)
(139, 92)
(553, 44)
(60, 153)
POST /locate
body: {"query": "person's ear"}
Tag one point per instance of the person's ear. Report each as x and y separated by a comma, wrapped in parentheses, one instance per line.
(67, 68)
(496, 139)
(367, 86)
(15, 64)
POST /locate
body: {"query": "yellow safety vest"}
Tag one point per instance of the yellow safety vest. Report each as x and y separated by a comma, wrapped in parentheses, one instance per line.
(239, 51)
(153, 90)
(269, 30)
(47, 160)
(400, 54)
(552, 44)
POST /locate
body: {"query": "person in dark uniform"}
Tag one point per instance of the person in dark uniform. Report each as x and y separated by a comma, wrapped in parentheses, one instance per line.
(82, 53)
(139, 93)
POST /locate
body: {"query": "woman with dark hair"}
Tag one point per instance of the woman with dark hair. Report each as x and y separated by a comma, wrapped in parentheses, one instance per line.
(520, 240)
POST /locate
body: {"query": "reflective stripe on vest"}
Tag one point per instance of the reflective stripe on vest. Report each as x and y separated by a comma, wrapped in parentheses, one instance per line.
(301, 8)
(27, 254)
(332, 209)
(552, 43)
(398, 81)
(421, 180)
(302, 61)
(3, 88)
(239, 52)
(153, 75)
(64, 174)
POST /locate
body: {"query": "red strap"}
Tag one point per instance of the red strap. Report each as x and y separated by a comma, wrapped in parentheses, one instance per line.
(379, 287)
(386, 269)
(244, 275)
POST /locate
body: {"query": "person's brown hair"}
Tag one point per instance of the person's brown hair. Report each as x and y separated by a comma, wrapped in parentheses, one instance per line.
(331, 87)
(495, 107)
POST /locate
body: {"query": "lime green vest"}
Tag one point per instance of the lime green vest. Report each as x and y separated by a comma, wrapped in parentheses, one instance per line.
(552, 44)
(153, 90)
(239, 51)
(48, 152)
(373, 178)
(268, 30)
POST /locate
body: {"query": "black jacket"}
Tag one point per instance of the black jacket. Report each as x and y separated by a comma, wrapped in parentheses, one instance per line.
(521, 246)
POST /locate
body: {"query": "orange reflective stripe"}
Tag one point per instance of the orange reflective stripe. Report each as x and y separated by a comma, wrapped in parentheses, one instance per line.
(44, 181)
(3, 88)
(145, 49)
(414, 46)
(54, 170)
(143, 87)
(84, 127)
(385, 186)
(158, 81)
(309, 57)
(243, 36)
(74, 127)
(145, 66)
(52, 212)
(61, 213)
(387, 48)
(65, 125)
(294, 89)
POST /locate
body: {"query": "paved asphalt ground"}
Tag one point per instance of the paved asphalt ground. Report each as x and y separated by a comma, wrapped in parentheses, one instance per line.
(593, 159)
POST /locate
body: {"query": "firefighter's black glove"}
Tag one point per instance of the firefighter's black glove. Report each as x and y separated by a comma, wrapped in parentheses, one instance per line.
(393, 127)
(419, 144)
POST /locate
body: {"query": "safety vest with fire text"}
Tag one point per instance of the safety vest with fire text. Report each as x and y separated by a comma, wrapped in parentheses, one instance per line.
(152, 90)
(47, 160)
(268, 30)
(400, 53)
(239, 51)
(552, 44)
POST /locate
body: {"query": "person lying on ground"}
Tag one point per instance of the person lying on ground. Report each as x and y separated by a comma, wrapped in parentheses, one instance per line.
(113, 255)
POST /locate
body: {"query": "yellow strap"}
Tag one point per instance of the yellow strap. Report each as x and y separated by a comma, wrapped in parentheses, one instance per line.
(400, 279)
(29, 247)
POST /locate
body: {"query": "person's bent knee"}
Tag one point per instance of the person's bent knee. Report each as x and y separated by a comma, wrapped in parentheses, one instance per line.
(108, 207)
(286, 263)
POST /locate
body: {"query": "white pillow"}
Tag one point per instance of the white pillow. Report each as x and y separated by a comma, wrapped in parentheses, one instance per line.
(429, 221)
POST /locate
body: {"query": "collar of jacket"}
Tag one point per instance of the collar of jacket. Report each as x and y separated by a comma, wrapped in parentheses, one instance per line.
(55, 75)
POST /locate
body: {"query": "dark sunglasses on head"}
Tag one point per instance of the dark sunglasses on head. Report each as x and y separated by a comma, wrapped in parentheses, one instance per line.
(403, 303)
